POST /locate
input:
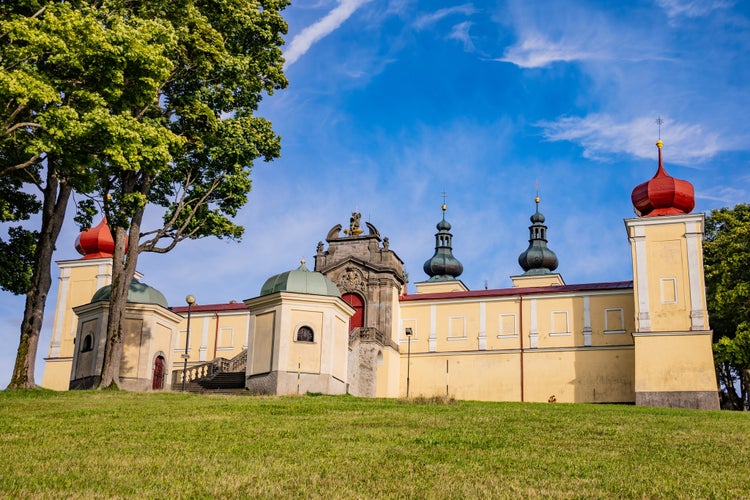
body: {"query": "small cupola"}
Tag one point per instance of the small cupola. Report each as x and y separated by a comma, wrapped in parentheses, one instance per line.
(663, 194)
(537, 258)
(443, 266)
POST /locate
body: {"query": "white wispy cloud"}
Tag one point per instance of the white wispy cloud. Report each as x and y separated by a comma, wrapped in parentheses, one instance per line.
(603, 135)
(302, 42)
(426, 20)
(460, 32)
(536, 51)
(692, 8)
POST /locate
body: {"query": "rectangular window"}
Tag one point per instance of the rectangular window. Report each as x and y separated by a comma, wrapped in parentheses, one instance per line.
(614, 320)
(180, 340)
(409, 323)
(508, 325)
(559, 323)
(226, 338)
(457, 327)
(668, 290)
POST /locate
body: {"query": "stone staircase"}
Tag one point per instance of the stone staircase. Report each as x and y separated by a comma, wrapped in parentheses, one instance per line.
(219, 376)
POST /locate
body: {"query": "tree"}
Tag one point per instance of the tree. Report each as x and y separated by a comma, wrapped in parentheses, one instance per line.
(200, 136)
(727, 271)
(65, 69)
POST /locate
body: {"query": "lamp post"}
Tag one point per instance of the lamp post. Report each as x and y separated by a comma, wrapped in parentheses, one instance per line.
(190, 301)
(408, 359)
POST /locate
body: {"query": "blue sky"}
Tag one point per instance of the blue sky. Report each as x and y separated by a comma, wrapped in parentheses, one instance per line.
(392, 103)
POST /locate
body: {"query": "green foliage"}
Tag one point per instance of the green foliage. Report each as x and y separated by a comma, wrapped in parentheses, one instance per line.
(175, 445)
(202, 134)
(18, 248)
(727, 273)
(17, 260)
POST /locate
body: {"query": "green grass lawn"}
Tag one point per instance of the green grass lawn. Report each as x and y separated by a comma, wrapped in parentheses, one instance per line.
(117, 444)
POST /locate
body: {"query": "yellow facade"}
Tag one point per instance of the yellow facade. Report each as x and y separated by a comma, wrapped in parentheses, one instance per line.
(647, 341)
(78, 281)
(521, 344)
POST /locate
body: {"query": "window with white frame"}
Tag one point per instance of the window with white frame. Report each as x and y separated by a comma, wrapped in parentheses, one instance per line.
(226, 338)
(507, 323)
(668, 290)
(614, 320)
(180, 341)
(559, 323)
(457, 327)
(409, 324)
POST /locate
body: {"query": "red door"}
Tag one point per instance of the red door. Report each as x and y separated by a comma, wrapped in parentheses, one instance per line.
(158, 382)
(354, 300)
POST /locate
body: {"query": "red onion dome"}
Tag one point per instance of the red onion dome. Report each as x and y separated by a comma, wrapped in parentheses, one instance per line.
(96, 242)
(663, 194)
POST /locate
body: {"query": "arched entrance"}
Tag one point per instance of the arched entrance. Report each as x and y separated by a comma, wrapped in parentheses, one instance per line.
(158, 382)
(354, 300)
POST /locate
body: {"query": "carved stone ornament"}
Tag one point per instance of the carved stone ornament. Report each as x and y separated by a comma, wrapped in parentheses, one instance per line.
(354, 229)
(351, 280)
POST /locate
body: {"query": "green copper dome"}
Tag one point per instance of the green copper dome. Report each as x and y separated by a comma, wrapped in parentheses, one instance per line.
(139, 293)
(301, 280)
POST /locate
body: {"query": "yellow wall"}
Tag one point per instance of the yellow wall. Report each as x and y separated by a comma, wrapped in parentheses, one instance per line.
(668, 286)
(78, 281)
(261, 351)
(668, 363)
(304, 356)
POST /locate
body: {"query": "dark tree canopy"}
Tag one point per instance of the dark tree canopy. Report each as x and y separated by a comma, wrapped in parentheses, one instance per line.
(727, 271)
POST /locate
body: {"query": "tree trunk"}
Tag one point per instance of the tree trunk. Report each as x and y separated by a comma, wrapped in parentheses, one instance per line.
(56, 195)
(123, 271)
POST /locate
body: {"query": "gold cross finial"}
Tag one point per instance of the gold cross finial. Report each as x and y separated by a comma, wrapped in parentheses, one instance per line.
(444, 207)
(536, 185)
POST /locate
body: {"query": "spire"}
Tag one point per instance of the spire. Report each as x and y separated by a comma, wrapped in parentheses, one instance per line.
(537, 258)
(443, 266)
(663, 194)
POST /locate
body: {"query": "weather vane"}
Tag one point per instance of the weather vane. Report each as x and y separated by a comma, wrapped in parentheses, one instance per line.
(659, 121)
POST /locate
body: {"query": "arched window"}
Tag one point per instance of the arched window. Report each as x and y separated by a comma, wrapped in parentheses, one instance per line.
(88, 343)
(354, 300)
(305, 334)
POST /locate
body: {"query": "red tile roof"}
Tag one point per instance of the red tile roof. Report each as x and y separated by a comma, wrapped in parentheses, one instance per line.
(202, 308)
(504, 292)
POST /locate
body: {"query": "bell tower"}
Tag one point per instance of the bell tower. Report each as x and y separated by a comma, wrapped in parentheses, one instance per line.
(673, 342)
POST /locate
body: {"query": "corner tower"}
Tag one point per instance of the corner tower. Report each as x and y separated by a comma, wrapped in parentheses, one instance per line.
(673, 354)
(79, 279)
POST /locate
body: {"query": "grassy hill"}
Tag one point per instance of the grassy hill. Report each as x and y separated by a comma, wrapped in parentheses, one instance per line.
(115, 444)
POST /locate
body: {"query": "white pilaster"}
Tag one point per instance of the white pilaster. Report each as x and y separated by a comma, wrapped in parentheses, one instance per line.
(433, 329)
(482, 326)
(62, 305)
(204, 340)
(533, 331)
(641, 278)
(694, 237)
(586, 321)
